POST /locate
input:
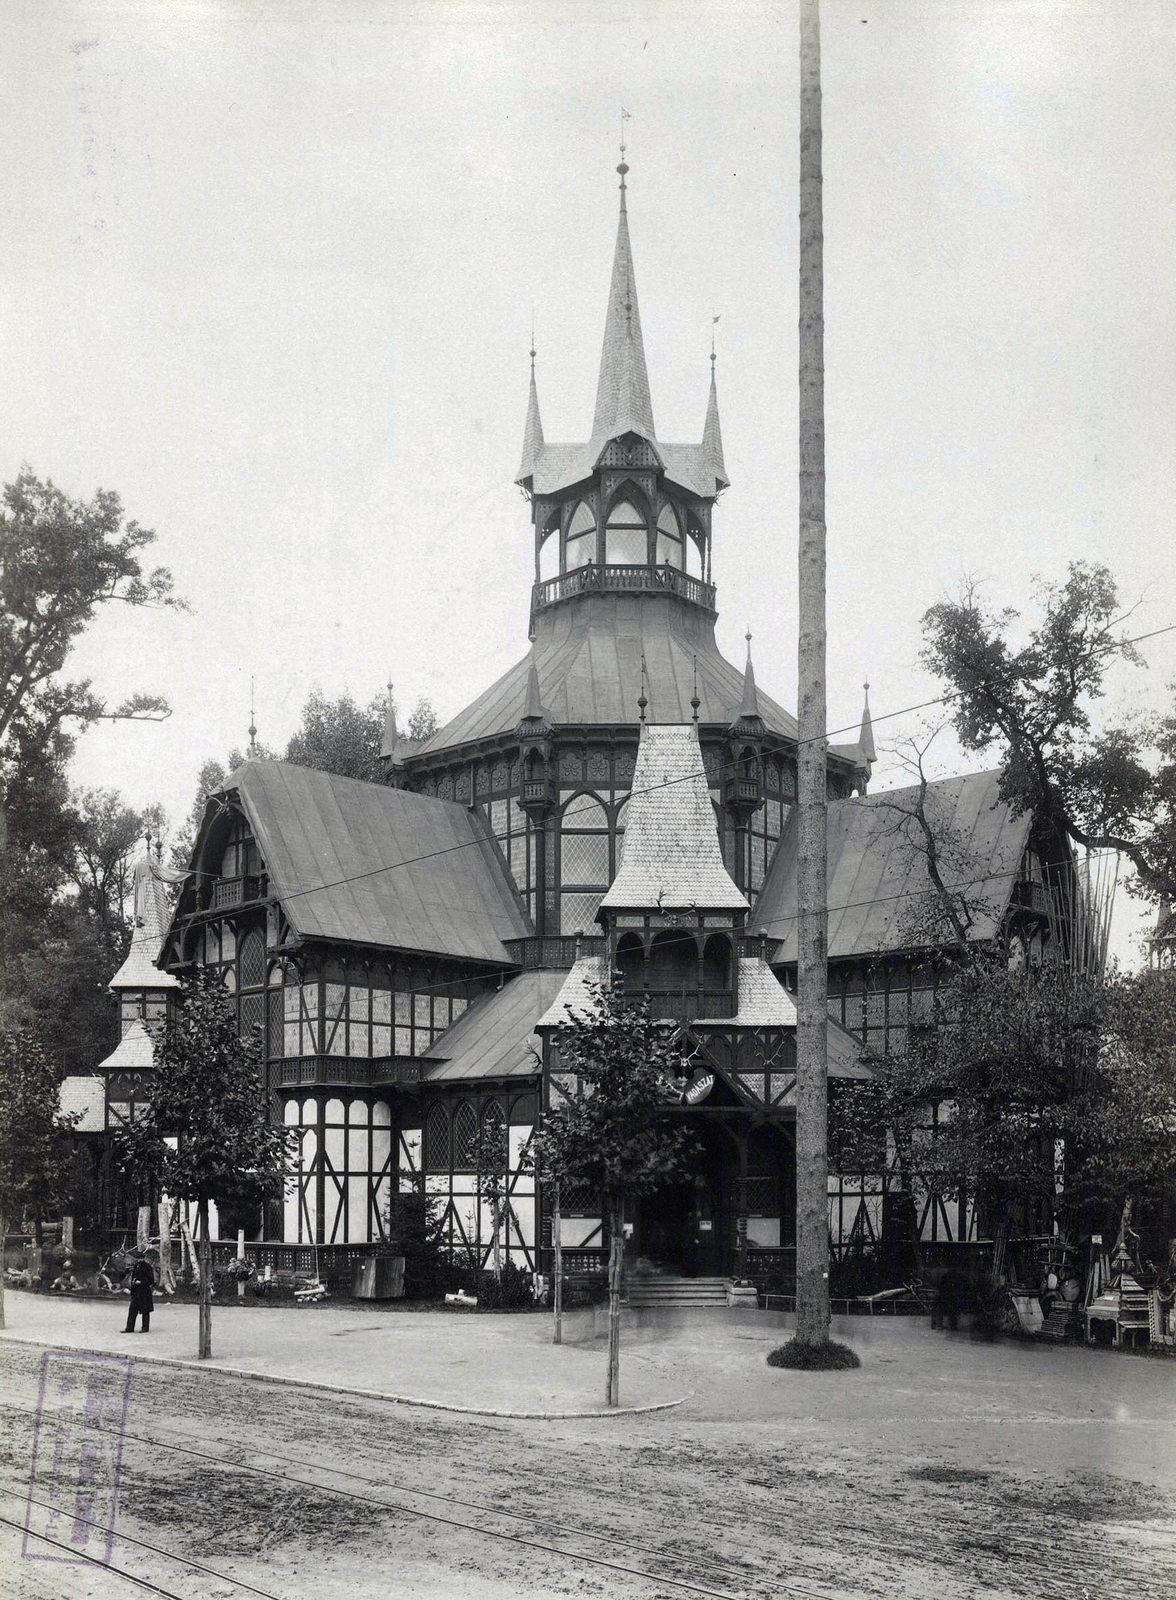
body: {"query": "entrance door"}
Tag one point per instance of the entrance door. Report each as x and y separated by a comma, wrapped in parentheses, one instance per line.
(683, 1227)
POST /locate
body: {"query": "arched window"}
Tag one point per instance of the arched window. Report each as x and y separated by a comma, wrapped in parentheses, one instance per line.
(437, 1139)
(716, 963)
(465, 1138)
(252, 961)
(669, 539)
(547, 561)
(631, 962)
(673, 961)
(626, 542)
(241, 858)
(580, 545)
(494, 1154)
(693, 556)
(583, 861)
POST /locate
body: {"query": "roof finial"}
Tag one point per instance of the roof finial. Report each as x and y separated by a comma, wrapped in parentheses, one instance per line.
(252, 725)
(642, 700)
(391, 739)
(532, 343)
(695, 702)
(623, 167)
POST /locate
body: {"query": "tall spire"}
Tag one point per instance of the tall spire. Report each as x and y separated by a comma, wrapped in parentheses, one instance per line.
(622, 392)
(391, 737)
(712, 436)
(866, 736)
(749, 705)
(533, 429)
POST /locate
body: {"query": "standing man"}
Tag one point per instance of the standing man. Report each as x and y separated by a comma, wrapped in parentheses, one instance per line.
(142, 1283)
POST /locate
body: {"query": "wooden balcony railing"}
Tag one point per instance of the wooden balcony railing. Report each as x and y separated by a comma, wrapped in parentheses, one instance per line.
(347, 1071)
(238, 891)
(552, 950)
(611, 580)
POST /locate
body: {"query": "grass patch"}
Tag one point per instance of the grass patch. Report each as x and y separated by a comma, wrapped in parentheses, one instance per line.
(829, 1356)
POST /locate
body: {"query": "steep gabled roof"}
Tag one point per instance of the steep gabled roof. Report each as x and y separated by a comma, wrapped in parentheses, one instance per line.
(671, 858)
(877, 877)
(360, 863)
(496, 1037)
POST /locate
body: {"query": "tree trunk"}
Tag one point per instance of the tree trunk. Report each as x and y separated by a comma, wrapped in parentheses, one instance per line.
(3, 1262)
(616, 1265)
(557, 1291)
(204, 1244)
(812, 1203)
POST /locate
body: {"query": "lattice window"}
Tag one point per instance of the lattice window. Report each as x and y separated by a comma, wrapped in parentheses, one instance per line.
(580, 545)
(626, 541)
(584, 858)
(465, 1138)
(437, 1139)
(251, 962)
(669, 538)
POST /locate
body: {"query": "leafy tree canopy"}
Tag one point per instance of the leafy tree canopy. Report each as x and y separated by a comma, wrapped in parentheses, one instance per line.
(608, 1128)
(1110, 787)
(34, 1136)
(60, 560)
(207, 1098)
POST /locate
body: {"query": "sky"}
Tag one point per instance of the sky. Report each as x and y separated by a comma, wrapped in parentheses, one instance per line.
(271, 268)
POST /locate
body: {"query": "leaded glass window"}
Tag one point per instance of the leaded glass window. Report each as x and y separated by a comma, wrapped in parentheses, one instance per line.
(580, 545)
(626, 541)
(669, 538)
(437, 1139)
(465, 1138)
(252, 961)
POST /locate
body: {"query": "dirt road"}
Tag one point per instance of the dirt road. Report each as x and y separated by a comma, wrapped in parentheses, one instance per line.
(867, 1492)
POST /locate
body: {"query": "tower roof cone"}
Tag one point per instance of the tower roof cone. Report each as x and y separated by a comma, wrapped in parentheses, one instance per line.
(391, 737)
(622, 391)
(866, 736)
(532, 430)
(712, 434)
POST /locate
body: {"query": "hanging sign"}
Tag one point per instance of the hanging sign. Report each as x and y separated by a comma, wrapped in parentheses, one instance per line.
(698, 1089)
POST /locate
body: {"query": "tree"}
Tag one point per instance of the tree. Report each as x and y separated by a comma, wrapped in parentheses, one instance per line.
(492, 1183)
(1108, 788)
(339, 736)
(422, 722)
(60, 560)
(207, 1135)
(34, 1136)
(1047, 1094)
(109, 837)
(610, 1128)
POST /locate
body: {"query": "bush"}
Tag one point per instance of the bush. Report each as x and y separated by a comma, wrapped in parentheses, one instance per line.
(414, 1232)
(828, 1356)
(513, 1292)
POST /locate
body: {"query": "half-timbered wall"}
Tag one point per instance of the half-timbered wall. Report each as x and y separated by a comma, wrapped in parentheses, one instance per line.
(342, 1172)
(458, 1129)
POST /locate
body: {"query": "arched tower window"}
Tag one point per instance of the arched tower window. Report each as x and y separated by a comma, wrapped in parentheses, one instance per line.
(631, 962)
(580, 545)
(549, 550)
(716, 963)
(669, 539)
(626, 540)
(673, 961)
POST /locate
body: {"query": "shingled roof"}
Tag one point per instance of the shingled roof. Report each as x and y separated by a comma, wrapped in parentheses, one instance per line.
(876, 875)
(364, 864)
(671, 858)
(152, 913)
(496, 1037)
(623, 403)
(587, 658)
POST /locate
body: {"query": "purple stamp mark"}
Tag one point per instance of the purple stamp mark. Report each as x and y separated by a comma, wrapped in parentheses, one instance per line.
(77, 1455)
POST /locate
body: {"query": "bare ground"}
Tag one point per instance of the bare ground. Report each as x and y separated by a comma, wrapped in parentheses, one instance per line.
(886, 1490)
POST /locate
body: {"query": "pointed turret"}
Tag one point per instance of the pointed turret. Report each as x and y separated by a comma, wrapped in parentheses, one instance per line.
(622, 392)
(712, 435)
(532, 432)
(749, 705)
(866, 736)
(534, 718)
(391, 737)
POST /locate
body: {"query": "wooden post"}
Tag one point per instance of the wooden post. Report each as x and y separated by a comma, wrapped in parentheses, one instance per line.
(616, 1262)
(204, 1245)
(557, 1269)
(812, 1205)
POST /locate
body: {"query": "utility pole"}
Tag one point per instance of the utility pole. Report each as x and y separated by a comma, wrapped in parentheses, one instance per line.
(812, 1204)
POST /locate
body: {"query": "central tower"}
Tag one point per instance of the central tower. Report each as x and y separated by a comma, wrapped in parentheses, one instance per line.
(622, 632)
